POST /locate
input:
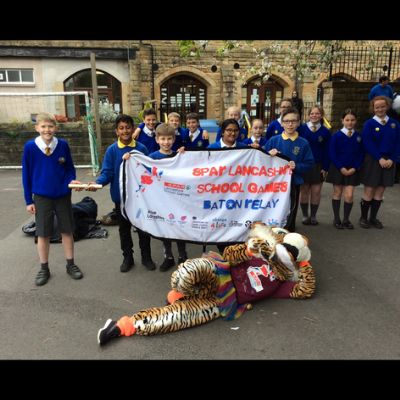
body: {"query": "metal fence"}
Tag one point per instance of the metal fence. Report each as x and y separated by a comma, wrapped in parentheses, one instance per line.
(361, 64)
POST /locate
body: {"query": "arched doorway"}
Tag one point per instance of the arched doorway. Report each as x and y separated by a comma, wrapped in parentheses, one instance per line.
(261, 99)
(108, 87)
(183, 94)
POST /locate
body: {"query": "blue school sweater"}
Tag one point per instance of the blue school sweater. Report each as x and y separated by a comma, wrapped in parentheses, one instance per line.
(148, 141)
(381, 140)
(345, 151)
(111, 166)
(262, 142)
(47, 176)
(274, 128)
(319, 143)
(198, 143)
(217, 145)
(297, 150)
(157, 155)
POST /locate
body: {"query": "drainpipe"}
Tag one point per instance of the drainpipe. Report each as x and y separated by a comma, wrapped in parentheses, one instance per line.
(152, 63)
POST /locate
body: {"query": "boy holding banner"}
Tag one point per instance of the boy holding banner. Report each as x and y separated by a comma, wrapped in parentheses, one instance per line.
(298, 150)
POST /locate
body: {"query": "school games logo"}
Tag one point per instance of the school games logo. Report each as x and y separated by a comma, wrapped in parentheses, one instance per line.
(150, 173)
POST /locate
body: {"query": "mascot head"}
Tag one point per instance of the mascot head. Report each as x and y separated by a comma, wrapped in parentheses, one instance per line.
(261, 241)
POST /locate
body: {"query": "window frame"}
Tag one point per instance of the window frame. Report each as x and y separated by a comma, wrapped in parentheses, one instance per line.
(20, 82)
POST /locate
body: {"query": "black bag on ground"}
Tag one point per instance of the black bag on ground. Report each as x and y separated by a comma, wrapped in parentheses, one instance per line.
(84, 214)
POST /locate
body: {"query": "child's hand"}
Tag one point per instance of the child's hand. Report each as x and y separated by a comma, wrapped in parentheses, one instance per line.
(31, 209)
(91, 188)
(292, 165)
(126, 156)
(351, 171)
(389, 163)
(181, 150)
(273, 152)
(205, 135)
(255, 145)
(78, 183)
(136, 133)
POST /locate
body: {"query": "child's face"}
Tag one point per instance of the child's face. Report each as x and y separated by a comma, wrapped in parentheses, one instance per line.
(192, 124)
(165, 143)
(290, 122)
(230, 134)
(349, 121)
(257, 129)
(315, 116)
(174, 121)
(150, 121)
(284, 106)
(380, 108)
(46, 130)
(124, 132)
(234, 114)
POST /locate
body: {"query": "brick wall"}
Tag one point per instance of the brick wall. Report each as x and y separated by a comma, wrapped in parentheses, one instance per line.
(13, 137)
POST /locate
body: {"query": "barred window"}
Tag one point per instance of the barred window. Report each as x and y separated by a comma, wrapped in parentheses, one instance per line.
(16, 76)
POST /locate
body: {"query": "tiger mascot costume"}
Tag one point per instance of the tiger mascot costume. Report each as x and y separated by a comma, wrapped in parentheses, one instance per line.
(271, 263)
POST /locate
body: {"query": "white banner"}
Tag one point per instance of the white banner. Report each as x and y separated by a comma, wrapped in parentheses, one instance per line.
(205, 196)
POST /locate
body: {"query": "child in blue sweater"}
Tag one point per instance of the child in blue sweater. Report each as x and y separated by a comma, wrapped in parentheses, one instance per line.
(194, 137)
(110, 174)
(47, 169)
(145, 133)
(275, 127)
(381, 139)
(318, 136)
(256, 140)
(165, 137)
(234, 112)
(346, 153)
(298, 150)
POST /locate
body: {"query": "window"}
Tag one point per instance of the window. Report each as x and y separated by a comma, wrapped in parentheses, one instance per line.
(15, 76)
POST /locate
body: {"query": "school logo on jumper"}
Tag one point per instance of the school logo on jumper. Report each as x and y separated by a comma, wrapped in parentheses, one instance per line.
(358, 139)
(61, 160)
(393, 125)
(320, 139)
(296, 150)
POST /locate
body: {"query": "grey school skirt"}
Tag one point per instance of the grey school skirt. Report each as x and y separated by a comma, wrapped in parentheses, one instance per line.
(373, 175)
(337, 178)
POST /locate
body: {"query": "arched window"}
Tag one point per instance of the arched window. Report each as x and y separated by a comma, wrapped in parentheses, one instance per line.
(261, 99)
(183, 94)
(108, 87)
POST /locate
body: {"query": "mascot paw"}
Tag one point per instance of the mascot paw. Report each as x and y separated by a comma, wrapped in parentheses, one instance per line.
(173, 296)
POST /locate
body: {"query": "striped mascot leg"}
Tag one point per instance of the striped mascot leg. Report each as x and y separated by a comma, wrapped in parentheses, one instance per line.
(194, 285)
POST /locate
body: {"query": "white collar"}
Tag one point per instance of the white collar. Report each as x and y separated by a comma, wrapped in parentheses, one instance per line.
(148, 132)
(42, 145)
(310, 125)
(253, 139)
(225, 145)
(346, 131)
(280, 120)
(194, 134)
(380, 119)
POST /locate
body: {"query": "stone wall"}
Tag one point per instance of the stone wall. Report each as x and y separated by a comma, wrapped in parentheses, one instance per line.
(341, 95)
(13, 137)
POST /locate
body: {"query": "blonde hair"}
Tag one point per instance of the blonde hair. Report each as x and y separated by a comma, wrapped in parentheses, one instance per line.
(46, 117)
(165, 130)
(257, 120)
(174, 114)
(233, 108)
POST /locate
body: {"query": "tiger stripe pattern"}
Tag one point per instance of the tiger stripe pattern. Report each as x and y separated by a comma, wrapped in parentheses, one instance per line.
(305, 287)
(195, 278)
(182, 314)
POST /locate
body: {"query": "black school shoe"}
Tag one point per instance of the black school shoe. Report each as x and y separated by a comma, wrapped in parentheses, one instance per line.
(42, 277)
(74, 272)
(167, 264)
(376, 223)
(109, 331)
(313, 221)
(347, 225)
(127, 264)
(338, 225)
(148, 263)
(306, 221)
(364, 223)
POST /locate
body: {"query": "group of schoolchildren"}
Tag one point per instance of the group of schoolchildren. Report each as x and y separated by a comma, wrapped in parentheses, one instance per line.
(345, 159)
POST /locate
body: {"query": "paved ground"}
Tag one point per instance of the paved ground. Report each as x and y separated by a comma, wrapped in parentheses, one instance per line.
(354, 314)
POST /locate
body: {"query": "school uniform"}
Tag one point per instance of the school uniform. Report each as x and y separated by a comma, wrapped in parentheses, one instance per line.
(147, 137)
(346, 150)
(194, 140)
(179, 132)
(262, 141)
(274, 128)
(221, 145)
(380, 140)
(318, 136)
(298, 150)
